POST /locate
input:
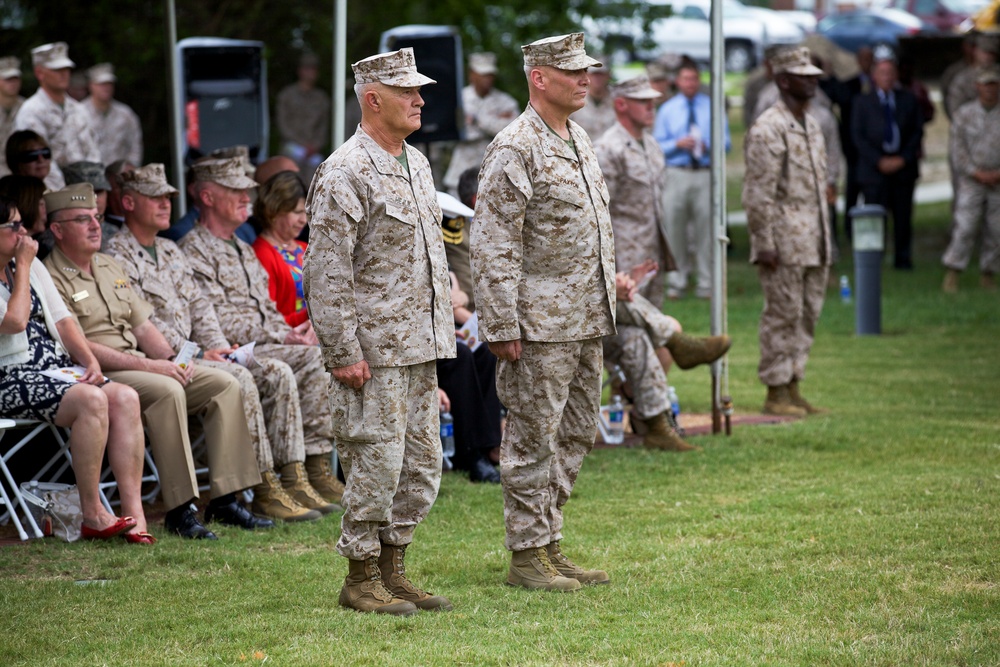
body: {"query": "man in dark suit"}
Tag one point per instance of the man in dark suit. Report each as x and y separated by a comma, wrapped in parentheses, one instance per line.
(887, 129)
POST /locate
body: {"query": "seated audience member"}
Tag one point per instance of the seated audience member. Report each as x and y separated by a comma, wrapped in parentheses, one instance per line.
(114, 214)
(281, 210)
(26, 192)
(93, 173)
(159, 270)
(36, 332)
(233, 280)
(131, 350)
(642, 328)
(28, 154)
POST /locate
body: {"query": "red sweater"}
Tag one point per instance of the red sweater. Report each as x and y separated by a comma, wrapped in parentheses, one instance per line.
(281, 285)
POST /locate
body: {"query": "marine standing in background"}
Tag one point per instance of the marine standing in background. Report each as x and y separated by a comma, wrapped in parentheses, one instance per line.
(784, 195)
(377, 286)
(544, 272)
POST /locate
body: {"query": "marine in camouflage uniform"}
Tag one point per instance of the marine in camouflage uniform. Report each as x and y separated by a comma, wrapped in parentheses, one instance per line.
(10, 103)
(787, 217)
(487, 111)
(974, 150)
(55, 115)
(115, 126)
(376, 282)
(233, 280)
(544, 273)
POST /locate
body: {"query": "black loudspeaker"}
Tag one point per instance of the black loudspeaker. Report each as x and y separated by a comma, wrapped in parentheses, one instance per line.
(438, 52)
(223, 96)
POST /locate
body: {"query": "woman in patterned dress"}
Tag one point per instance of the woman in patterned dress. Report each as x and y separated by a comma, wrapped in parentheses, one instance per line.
(36, 331)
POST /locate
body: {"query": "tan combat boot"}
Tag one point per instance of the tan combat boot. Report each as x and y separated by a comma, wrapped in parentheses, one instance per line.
(323, 479)
(571, 570)
(364, 591)
(689, 351)
(988, 281)
(797, 399)
(296, 482)
(950, 284)
(271, 500)
(532, 568)
(660, 434)
(779, 403)
(390, 563)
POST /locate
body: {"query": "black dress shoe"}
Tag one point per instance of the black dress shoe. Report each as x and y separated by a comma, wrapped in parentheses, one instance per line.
(483, 471)
(184, 522)
(234, 514)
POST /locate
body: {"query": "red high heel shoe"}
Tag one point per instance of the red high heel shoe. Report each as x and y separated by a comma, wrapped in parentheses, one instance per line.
(114, 530)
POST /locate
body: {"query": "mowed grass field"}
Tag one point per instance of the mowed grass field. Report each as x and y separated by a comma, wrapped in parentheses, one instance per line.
(868, 536)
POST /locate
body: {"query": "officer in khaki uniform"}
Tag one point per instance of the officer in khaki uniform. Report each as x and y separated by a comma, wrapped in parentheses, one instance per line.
(544, 272)
(131, 350)
(974, 150)
(234, 281)
(376, 281)
(634, 171)
(159, 270)
(784, 195)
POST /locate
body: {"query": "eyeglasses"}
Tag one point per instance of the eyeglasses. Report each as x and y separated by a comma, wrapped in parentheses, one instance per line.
(13, 226)
(84, 219)
(28, 157)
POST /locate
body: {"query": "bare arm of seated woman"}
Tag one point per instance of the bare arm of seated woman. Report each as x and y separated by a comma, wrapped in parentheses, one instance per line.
(15, 320)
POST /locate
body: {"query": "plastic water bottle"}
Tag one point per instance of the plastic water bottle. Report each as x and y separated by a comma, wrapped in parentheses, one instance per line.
(447, 434)
(845, 289)
(675, 403)
(616, 421)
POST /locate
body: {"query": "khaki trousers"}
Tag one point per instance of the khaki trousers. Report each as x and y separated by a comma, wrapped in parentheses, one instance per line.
(553, 395)
(388, 436)
(165, 408)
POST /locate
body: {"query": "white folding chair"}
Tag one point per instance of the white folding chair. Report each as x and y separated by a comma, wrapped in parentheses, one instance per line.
(12, 497)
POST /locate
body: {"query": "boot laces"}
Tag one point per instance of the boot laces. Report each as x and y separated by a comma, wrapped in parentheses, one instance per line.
(543, 557)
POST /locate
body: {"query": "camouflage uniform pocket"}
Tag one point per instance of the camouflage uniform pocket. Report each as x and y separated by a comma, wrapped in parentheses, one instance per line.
(357, 413)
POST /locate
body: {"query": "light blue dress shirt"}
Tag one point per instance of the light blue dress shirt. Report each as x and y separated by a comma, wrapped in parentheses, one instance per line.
(672, 124)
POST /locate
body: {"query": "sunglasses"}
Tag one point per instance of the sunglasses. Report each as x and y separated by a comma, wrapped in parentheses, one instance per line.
(33, 156)
(13, 226)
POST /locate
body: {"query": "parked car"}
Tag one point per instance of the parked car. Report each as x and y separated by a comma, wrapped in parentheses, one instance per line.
(687, 30)
(945, 15)
(864, 27)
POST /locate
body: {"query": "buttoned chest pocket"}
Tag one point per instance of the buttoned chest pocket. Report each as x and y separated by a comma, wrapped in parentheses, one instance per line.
(567, 195)
(399, 234)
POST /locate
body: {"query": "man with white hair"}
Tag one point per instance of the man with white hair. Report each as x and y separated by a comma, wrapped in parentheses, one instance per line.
(55, 115)
(376, 281)
(543, 266)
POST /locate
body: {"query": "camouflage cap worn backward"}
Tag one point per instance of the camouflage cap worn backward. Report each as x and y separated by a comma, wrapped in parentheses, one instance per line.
(150, 180)
(636, 88)
(86, 172)
(10, 67)
(483, 63)
(241, 151)
(78, 195)
(989, 74)
(51, 56)
(228, 172)
(397, 68)
(102, 73)
(564, 52)
(794, 61)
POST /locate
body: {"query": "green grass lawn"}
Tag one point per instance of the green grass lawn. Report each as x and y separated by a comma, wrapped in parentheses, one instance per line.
(865, 537)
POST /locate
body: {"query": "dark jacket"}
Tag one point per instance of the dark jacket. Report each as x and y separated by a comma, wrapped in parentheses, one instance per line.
(867, 131)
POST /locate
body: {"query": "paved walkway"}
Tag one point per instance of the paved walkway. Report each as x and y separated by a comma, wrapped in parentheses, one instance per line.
(926, 193)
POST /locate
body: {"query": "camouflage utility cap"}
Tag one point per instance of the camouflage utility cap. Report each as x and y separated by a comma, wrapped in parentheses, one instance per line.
(988, 74)
(664, 67)
(102, 73)
(79, 195)
(241, 151)
(10, 68)
(86, 172)
(989, 43)
(398, 68)
(228, 172)
(150, 181)
(637, 88)
(794, 61)
(483, 63)
(564, 52)
(51, 56)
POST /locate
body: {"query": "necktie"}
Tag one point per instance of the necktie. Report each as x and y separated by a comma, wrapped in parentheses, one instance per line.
(890, 131)
(693, 130)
